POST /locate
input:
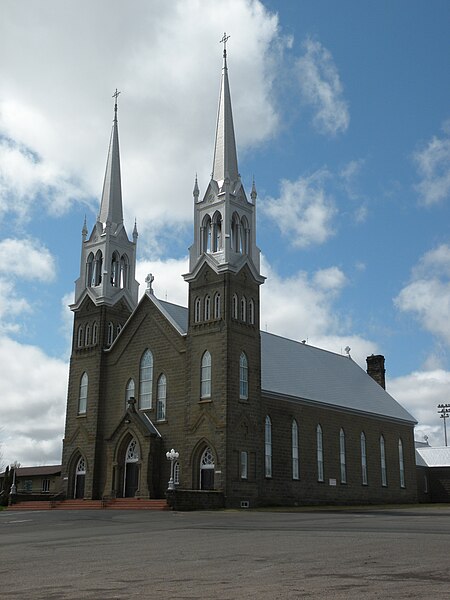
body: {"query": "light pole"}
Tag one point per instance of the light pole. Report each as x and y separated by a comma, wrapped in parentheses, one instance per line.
(444, 411)
(173, 457)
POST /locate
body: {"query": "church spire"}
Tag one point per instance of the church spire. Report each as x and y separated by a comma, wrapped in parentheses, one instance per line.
(111, 204)
(225, 163)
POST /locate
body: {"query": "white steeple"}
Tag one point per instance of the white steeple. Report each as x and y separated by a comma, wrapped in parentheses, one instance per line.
(224, 220)
(108, 257)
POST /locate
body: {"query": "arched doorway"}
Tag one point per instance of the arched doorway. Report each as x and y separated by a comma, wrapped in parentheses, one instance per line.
(131, 470)
(207, 470)
(80, 476)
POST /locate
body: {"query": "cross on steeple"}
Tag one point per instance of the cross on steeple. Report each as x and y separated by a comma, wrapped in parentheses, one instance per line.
(224, 42)
(115, 96)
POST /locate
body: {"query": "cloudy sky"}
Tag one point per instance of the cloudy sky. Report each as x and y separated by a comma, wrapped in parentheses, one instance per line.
(342, 116)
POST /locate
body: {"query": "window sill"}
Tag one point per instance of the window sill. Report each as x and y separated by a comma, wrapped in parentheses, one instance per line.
(161, 421)
(81, 415)
(205, 400)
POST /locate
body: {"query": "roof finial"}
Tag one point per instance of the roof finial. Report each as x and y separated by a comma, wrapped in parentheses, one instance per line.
(224, 42)
(115, 96)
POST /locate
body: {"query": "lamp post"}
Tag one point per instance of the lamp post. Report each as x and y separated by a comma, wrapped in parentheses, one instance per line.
(173, 457)
(444, 411)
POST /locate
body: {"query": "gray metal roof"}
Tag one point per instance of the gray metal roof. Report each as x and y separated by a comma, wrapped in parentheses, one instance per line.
(433, 457)
(303, 372)
(290, 368)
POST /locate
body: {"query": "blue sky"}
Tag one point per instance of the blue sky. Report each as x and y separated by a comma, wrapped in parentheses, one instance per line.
(342, 116)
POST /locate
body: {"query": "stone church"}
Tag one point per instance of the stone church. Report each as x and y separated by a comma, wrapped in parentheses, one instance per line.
(256, 419)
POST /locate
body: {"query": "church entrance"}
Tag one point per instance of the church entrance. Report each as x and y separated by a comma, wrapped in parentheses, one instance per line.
(131, 470)
(80, 476)
(207, 470)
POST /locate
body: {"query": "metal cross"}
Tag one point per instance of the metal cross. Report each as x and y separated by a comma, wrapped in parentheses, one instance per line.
(115, 96)
(224, 42)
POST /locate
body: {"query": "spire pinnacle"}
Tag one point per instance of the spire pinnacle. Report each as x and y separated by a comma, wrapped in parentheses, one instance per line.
(111, 204)
(225, 156)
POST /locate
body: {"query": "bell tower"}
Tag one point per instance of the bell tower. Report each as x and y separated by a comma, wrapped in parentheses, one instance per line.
(106, 293)
(224, 347)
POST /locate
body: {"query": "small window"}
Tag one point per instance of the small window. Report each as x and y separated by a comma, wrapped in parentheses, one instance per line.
(82, 398)
(234, 307)
(244, 465)
(217, 308)
(401, 463)
(342, 457)
(197, 310)
(87, 336)
(294, 439)
(363, 459)
(243, 377)
(251, 312)
(207, 308)
(161, 399)
(110, 333)
(383, 462)
(319, 439)
(129, 392)
(146, 380)
(243, 309)
(268, 447)
(94, 334)
(46, 485)
(80, 337)
(205, 376)
(176, 473)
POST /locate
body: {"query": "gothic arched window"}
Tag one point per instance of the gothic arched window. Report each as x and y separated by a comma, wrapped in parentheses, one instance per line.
(217, 232)
(89, 270)
(251, 311)
(294, 440)
(234, 306)
(87, 335)
(161, 398)
(319, 441)
(80, 337)
(401, 463)
(115, 270)
(342, 457)
(146, 380)
(268, 447)
(363, 459)
(205, 376)
(235, 233)
(243, 309)
(206, 234)
(83, 394)
(124, 269)
(94, 334)
(383, 462)
(110, 333)
(129, 391)
(97, 269)
(197, 310)
(207, 308)
(245, 236)
(243, 377)
(217, 307)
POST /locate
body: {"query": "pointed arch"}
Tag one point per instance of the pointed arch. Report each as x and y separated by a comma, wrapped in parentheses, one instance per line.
(383, 461)
(217, 306)
(87, 335)
(124, 271)
(268, 447)
(245, 235)
(207, 308)
(206, 234)
(205, 376)
(207, 467)
(80, 337)
(319, 449)
(217, 232)
(115, 266)
(342, 457)
(234, 307)
(90, 270)
(401, 463)
(79, 478)
(364, 479)
(161, 398)
(243, 309)
(83, 394)
(294, 446)
(97, 269)
(146, 380)
(243, 376)
(251, 311)
(129, 391)
(110, 334)
(235, 233)
(197, 310)
(94, 333)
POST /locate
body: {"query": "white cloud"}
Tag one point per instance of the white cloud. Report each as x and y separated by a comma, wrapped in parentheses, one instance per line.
(304, 211)
(427, 296)
(58, 133)
(34, 389)
(26, 258)
(433, 164)
(420, 392)
(321, 87)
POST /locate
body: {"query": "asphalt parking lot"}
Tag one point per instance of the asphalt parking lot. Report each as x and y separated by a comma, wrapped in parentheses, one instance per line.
(107, 555)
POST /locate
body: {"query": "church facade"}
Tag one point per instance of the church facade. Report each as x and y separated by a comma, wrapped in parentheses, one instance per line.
(257, 418)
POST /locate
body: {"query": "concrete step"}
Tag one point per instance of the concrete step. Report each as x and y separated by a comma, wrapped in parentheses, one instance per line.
(136, 504)
(31, 505)
(79, 505)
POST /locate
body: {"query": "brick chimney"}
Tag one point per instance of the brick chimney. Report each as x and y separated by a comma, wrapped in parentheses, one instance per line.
(375, 368)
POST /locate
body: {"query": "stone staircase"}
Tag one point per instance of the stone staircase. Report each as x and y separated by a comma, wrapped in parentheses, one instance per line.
(114, 504)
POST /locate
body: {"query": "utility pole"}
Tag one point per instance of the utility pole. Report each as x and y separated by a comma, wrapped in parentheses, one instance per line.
(444, 412)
